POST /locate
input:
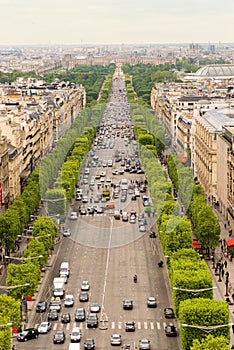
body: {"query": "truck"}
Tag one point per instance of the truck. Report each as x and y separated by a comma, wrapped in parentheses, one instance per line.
(59, 287)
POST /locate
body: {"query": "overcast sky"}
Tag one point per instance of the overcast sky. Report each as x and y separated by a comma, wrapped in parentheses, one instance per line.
(115, 21)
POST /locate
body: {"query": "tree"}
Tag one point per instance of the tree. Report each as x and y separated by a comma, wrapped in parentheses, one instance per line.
(211, 343)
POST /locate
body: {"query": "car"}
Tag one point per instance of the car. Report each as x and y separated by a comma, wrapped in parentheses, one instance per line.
(100, 210)
(94, 307)
(73, 215)
(44, 327)
(55, 303)
(65, 317)
(80, 314)
(142, 228)
(151, 302)
(116, 339)
(59, 337)
(170, 331)
(132, 219)
(89, 344)
(84, 296)
(144, 344)
(130, 326)
(52, 315)
(115, 172)
(169, 312)
(83, 211)
(28, 334)
(78, 197)
(41, 306)
(69, 300)
(85, 199)
(127, 304)
(92, 320)
(85, 286)
(75, 335)
(91, 210)
(123, 199)
(103, 174)
(66, 232)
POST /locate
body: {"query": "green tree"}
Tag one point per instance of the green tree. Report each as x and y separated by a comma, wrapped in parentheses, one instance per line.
(211, 343)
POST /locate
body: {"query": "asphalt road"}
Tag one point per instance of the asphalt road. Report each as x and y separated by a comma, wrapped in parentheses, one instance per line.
(107, 253)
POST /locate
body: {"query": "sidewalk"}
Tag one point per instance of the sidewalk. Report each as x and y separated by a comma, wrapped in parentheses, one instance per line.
(219, 279)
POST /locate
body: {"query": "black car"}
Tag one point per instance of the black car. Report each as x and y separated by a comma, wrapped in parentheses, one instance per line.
(59, 337)
(92, 321)
(80, 314)
(127, 304)
(27, 334)
(89, 344)
(170, 331)
(52, 315)
(130, 326)
(41, 306)
(65, 317)
(84, 296)
(169, 312)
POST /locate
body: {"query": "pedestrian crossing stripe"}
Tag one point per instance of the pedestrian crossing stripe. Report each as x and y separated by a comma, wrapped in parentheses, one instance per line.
(151, 325)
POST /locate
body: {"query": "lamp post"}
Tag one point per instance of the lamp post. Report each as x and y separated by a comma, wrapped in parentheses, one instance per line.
(13, 287)
(24, 259)
(194, 291)
(207, 329)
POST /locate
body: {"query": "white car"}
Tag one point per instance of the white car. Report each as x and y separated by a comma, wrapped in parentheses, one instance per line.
(75, 335)
(85, 199)
(69, 300)
(44, 327)
(94, 307)
(73, 215)
(85, 286)
(66, 232)
(116, 339)
(142, 228)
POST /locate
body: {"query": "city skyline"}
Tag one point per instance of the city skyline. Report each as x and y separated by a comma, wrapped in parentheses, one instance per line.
(25, 22)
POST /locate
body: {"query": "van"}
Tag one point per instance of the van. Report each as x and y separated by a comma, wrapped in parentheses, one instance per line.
(64, 269)
(74, 346)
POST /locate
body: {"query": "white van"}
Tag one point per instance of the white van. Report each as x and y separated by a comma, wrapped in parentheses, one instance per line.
(74, 346)
(64, 269)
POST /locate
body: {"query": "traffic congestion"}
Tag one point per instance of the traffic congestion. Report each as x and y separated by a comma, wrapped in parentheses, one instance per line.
(105, 287)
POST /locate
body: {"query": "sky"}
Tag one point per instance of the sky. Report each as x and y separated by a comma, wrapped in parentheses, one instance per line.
(49, 22)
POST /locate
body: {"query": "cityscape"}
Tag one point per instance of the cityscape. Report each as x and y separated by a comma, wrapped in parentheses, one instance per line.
(117, 175)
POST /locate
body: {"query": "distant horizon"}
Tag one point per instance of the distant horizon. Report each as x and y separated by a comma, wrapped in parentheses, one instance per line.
(116, 44)
(72, 22)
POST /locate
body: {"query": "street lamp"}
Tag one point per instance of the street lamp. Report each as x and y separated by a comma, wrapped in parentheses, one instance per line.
(13, 287)
(24, 259)
(207, 329)
(10, 324)
(194, 291)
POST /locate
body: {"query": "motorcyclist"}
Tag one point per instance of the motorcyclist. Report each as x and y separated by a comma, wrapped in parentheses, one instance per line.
(135, 278)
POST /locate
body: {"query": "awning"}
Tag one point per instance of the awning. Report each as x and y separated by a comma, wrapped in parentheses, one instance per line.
(196, 245)
(230, 243)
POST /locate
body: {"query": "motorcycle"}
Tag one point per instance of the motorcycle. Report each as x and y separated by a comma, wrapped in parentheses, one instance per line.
(135, 278)
(160, 264)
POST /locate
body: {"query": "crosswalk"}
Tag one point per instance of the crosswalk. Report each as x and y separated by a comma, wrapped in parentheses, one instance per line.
(115, 325)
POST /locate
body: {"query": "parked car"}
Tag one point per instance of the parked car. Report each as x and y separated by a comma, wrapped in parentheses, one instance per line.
(28, 334)
(41, 306)
(59, 337)
(44, 327)
(66, 232)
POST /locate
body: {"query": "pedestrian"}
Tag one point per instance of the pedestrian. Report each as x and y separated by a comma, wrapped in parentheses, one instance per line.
(225, 264)
(222, 248)
(220, 241)
(224, 242)
(227, 274)
(221, 266)
(222, 273)
(233, 296)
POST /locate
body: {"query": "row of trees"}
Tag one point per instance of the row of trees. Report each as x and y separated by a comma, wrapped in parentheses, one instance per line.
(13, 222)
(192, 291)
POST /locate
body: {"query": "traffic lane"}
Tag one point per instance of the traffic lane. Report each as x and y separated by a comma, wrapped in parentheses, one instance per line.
(124, 262)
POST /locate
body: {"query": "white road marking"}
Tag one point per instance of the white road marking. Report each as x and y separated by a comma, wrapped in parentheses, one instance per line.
(145, 325)
(152, 325)
(158, 325)
(113, 325)
(139, 325)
